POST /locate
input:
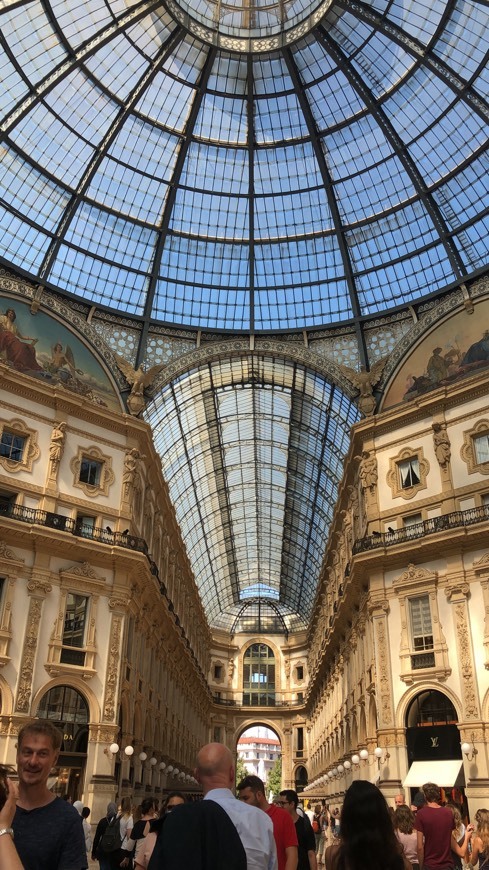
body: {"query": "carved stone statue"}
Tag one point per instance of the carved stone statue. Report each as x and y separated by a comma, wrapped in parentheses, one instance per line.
(365, 381)
(132, 462)
(56, 446)
(441, 443)
(139, 380)
(368, 471)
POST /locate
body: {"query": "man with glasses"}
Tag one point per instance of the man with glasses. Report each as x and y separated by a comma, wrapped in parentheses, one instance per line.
(303, 828)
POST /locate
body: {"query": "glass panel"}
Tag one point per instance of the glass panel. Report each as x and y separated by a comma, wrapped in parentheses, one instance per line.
(481, 445)
(90, 471)
(75, 617)
(12, 446)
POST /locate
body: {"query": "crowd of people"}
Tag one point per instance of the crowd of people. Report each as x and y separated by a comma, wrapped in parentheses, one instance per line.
(225, 830)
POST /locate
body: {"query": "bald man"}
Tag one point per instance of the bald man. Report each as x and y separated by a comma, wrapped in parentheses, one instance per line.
(215, 772)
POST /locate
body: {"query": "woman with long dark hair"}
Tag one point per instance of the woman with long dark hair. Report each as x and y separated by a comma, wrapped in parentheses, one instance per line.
(368, 841)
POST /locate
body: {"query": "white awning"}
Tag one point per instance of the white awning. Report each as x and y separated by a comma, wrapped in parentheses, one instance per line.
(442, 773)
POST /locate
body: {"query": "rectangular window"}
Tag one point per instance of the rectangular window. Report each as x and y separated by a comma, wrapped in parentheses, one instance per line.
(421, 632)
(217, 673)
(412, 525)
(481, 447)
(409, 472)
(90, 471)
(74, 629)
(300, 672)
(85, 526)
(12, 446)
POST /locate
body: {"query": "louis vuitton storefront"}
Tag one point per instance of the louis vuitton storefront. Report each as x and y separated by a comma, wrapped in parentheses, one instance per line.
(433, 745)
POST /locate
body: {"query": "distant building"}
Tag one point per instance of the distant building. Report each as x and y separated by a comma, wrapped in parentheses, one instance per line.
(259, 754)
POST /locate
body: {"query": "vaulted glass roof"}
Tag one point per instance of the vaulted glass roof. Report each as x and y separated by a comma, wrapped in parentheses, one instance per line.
(247, 166)
(253, 451)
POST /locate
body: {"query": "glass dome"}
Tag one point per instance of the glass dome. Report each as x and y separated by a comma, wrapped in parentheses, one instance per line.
(247, 167)
(324, 179)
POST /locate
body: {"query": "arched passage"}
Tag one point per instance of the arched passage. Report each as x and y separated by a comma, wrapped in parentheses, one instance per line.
(259, 752)
(68, 709)
(433, 744)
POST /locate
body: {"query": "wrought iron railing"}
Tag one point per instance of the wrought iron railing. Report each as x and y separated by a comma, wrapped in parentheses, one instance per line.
(51, 520)
(239, 701)
(455, 520)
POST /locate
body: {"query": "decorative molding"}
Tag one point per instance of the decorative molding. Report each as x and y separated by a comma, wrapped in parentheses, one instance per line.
(7, 554)
(31, 450)
(413, 582)
(114, 657)
(107, 476)
(393, 475)
(485, 594)
(382, 660)
(26, 669)
(466, 663)
(38, 588)
(83, 570)
(467, 451)
(118, 602)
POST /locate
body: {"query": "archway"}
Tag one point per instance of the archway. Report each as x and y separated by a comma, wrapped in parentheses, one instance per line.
(259, 753)
(301, 778)
(433, 744)
(68, 710)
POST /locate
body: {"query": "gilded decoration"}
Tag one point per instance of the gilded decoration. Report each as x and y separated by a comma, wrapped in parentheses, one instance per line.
(30, 450)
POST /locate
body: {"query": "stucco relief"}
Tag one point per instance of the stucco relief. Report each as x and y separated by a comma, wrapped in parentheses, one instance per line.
(467, 674)
(383, 670)
(112, 669)
(28, 656)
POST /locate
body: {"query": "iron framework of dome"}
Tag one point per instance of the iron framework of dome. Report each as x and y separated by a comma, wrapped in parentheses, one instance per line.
(246, 168)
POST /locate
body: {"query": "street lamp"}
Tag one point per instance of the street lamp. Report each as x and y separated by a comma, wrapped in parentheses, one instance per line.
(114, 750)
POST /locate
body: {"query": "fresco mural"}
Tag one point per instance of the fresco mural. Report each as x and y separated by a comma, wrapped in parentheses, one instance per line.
(458, 348)
(42, 347)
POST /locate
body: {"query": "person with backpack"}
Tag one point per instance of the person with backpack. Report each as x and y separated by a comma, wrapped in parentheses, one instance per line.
(98, 853)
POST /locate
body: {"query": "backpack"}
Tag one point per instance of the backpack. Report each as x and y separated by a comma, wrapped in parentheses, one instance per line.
(315, 825)
(111, 839)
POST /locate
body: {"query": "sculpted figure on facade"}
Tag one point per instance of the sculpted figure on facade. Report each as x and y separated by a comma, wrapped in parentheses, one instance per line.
(368, 471)
(56, 446)
(365, 382)
(441, 443)
(132, 464)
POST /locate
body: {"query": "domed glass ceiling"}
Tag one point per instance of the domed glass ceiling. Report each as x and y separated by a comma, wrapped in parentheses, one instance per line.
(149, 170)
(247, 166)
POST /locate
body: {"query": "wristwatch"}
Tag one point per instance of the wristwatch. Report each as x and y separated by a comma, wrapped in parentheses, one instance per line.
(7, 831)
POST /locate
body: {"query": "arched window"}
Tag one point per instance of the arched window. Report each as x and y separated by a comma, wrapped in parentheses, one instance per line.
(68, 709)
(259, 676)
(431, 708)
(431, 728)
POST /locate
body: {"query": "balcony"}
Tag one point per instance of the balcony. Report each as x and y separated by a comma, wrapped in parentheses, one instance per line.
(48, 519)
(455, 520)
(242, 700)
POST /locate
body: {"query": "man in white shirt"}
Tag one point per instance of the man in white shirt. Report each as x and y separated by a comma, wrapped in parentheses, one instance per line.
(215, 772)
